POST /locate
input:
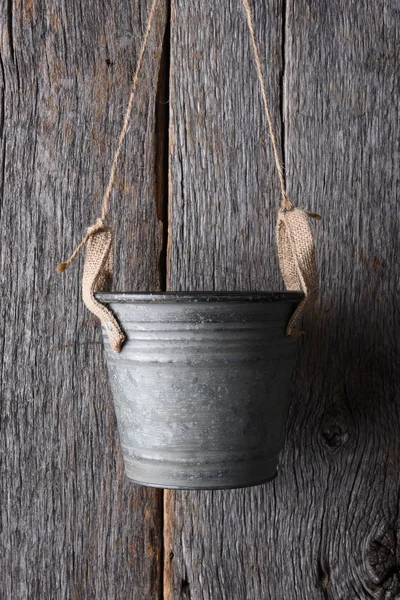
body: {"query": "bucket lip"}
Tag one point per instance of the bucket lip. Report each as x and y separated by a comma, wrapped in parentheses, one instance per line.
(203, 296)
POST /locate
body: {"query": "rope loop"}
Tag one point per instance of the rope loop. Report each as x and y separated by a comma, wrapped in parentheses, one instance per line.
(285, 202)
(99, 225)
(294, 236)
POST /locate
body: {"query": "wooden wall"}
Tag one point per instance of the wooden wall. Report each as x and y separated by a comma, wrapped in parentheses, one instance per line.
(195, 208)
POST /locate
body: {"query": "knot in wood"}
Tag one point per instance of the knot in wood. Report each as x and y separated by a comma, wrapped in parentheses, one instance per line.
(384, 563)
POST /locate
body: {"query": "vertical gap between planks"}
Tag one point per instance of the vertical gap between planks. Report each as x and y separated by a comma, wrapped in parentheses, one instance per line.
(164, 210)
(161, 166)
(165, 282)
(162, 195)
(282, 90)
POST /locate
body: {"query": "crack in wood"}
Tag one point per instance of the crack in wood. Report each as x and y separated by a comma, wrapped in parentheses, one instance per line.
(10, 28)
(162, 143)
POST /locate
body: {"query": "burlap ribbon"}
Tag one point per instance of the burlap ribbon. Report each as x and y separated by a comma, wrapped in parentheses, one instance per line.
(294, 236)
(296, 251)
(97, 277)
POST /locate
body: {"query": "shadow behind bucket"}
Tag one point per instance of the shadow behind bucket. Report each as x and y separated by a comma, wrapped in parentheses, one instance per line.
(201, 386)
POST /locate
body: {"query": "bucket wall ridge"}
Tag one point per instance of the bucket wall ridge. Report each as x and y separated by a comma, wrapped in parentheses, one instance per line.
(201, 391)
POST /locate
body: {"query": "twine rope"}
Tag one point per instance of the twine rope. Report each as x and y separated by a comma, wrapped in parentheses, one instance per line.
(296, 250)
(100, 223)
(285, 202)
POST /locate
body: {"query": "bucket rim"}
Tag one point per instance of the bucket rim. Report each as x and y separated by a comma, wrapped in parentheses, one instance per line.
(203, 296)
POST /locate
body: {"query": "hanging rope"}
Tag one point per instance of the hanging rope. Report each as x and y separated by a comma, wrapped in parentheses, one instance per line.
(285, 203)
(294, 236)
(100, 223)
(98, 269)
(296, 250)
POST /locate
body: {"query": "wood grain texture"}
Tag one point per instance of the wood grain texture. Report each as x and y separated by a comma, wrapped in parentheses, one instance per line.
(328, 527)
(221, 170)
(71, 526)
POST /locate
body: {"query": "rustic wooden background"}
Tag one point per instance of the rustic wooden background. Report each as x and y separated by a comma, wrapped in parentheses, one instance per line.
(194, 208)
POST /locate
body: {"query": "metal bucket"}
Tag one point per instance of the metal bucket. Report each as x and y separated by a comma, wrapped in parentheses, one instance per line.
(201, 385)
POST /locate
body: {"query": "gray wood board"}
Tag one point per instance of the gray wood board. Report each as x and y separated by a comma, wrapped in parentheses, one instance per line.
(71, 525)
(328, 527)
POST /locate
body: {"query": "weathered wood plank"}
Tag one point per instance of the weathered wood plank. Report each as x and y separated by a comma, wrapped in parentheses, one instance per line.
(342, 123)
(71, 526)
(221, 173)
(224, 196)
(328, 527)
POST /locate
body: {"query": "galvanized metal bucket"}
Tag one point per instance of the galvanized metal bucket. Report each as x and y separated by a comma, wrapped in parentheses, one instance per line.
(201, 385)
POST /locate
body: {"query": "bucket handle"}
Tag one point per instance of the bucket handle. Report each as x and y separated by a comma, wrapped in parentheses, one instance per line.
(296, 248)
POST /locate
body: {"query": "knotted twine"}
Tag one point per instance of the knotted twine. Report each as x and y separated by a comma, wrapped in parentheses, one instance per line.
(296, 249)
(99, 260)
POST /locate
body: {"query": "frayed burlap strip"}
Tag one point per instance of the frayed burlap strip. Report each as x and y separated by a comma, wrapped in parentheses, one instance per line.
(296, 251)
(97, 277)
